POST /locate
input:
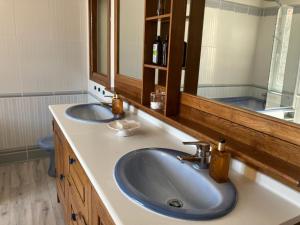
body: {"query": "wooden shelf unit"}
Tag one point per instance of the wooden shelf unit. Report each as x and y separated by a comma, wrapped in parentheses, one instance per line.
(169, 76)
(152, 66)
(159, 18)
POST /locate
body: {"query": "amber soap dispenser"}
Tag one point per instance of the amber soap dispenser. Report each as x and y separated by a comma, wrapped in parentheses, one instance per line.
(117, 105)
(219, 163)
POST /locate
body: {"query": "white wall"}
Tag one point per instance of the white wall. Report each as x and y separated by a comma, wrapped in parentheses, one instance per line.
(228, 47)
(43, 60)
(258, 3)
(228, 52)
(237, 50)
(263, 51)
(131, 38)
(293, 56)
(102, 36)
(287, 2)
(43, 45)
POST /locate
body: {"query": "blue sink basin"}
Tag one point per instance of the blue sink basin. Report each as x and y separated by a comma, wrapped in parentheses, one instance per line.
(92, 113)
(157, 180)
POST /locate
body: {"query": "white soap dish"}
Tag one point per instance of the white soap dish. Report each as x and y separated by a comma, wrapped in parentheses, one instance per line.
(124, 128)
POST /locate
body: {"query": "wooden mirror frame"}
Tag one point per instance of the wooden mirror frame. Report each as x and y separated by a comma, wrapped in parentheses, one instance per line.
(268, 144)
(103, 79)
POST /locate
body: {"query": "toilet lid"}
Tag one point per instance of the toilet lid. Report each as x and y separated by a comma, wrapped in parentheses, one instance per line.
(46, 143)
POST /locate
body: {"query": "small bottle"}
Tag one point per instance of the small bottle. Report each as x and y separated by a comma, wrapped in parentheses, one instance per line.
(164, 60)
(156, 54)
(219, 163)
(117, 105)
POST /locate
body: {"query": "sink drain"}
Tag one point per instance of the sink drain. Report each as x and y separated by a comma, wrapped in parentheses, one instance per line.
(176, 203)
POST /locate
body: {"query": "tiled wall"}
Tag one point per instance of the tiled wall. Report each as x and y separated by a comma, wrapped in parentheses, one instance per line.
(43, 45)
(237, 47)
(231, 91)
(23, 120)
(229, 42)
(131, 38)
(43, 60)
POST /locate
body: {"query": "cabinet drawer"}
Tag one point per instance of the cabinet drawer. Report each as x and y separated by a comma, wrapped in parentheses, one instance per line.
(79, 186)
(100, 215)
(76, 216)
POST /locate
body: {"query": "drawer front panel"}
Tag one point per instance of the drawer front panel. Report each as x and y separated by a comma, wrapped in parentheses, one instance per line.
(78, 179)
(79, 187)
(100, 215)
(76, 216)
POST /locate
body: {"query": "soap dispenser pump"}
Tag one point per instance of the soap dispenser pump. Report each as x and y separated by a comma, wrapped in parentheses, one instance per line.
(219, 163)
(117, 105)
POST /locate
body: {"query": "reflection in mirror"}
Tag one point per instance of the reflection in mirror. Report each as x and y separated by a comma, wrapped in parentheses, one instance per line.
(250, 56)
(131, 38)
(99, 41)
(102, 36)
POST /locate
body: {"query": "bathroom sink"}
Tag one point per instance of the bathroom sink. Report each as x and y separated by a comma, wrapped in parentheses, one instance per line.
(157, 180)
(91, 112)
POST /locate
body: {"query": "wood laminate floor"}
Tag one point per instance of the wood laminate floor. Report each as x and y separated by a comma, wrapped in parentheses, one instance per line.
(28, 195)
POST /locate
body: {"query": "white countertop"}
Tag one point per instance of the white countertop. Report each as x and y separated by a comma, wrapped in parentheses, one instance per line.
(98, 150)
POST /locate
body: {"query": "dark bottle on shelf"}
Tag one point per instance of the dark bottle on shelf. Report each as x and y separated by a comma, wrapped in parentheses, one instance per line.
(165, 44)
(157, 51)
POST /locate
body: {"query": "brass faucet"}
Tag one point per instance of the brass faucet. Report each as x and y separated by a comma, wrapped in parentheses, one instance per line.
(202, 155)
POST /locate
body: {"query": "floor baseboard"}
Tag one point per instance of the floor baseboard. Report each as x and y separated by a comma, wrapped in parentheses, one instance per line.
(22, 155)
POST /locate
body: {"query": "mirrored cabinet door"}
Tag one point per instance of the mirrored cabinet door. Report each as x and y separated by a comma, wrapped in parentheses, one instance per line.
(100, 41)
(250, 57)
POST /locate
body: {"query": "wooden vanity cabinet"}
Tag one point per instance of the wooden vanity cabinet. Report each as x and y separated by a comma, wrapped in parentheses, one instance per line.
(81, 204)
(79, 189)
(100, 215)
(61, 168)
(76, 216)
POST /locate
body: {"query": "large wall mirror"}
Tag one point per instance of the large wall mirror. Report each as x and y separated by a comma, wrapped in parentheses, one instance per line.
(244, 57)
(250, 56)
(130, 38)
(100, 41)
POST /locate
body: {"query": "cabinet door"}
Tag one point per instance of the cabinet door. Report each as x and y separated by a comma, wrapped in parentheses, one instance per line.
(100, 215)
(76, 215)
(59, 167)
(80, 187)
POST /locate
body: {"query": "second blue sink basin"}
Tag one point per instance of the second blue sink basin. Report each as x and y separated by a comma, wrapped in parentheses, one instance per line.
(157, 180)
(93, 112)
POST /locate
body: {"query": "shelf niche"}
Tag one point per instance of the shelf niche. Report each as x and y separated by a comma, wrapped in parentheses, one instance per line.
(171, 25)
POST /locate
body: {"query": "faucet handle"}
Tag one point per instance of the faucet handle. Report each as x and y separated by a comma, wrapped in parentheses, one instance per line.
(202, 145)
(203, 148)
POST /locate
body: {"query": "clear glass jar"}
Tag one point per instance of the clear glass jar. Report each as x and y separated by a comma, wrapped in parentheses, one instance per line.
(157, 100)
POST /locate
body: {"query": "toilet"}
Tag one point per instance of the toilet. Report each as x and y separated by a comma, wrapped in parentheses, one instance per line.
(47, 144)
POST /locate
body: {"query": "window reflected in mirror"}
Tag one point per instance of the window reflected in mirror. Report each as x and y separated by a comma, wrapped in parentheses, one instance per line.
(102, 36)
(250, 56)
(131, 38)
(100, 41)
